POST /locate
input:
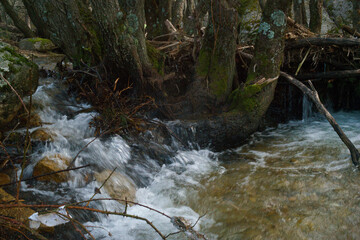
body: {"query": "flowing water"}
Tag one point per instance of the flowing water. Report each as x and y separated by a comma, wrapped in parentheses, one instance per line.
(295, 181)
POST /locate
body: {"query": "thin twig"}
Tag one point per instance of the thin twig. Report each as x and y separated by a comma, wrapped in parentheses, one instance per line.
(8, 83)
(26, 149)
(43, 175)
(85, 209)
(98, 190)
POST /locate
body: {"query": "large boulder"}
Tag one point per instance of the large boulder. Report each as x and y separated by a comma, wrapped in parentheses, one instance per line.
(22, 75)
(51, 164)
(37, 44)
(117, 186)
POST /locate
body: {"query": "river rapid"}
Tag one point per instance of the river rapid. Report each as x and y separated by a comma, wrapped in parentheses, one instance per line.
(295, 181)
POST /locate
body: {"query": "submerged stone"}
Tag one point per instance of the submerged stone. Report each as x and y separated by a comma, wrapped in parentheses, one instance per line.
(41, 134)
(50, 164)
(118, 185)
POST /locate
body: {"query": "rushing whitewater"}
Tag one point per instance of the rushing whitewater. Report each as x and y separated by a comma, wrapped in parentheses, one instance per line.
(295, 181)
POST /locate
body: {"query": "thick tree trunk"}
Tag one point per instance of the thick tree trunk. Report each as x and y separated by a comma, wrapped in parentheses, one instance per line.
(121, 25)
(189, 18)
(300, 12)
(216, 61)
(178, 13)
(69, 25)
(18, 22)
(257, 93)
(356, 15)
(156, 12)
(269, 45)
(94, 31)
(315, 15)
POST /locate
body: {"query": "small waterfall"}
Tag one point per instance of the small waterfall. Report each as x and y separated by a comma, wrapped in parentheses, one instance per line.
(307, 109)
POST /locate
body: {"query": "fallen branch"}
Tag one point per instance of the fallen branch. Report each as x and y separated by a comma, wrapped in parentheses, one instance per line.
(85, 209)
(330, 75)
(313, 95)
(318, 41)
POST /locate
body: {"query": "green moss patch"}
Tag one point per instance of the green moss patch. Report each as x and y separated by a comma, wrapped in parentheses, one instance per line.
(245, 99)
(156, 58)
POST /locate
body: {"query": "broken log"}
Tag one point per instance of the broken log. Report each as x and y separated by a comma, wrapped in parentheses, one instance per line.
(313, 95)
(330, 75)
(318, 41)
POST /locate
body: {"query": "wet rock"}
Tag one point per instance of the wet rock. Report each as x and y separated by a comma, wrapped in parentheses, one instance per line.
(22, 74)
(34, 121)
(118, 185)
(4, 178)
(19, 214)
(37, 44)
(42, 135)
(50, 164)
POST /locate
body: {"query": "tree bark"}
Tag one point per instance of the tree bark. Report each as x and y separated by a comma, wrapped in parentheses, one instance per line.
(216, 61)
(356, 15)
(269, 45)
(313, 95)
(156, 12)
(121, 25)
(91, 31)
(18, 22)
(300, 12)
(178, 13)
(315, 15)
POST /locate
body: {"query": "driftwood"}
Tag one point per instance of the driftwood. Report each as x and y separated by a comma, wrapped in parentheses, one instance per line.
(313, 95)
(330, 75)
(318, 41)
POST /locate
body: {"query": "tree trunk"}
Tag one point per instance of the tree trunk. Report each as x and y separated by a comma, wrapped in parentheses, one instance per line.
(300, 12)
(257, 93)
(315, 15)
(356, 15)
(178, 13)
(189, 15)
(156, 12)
(123, 38)
(216, 61)
(94, 31)
(18, 22)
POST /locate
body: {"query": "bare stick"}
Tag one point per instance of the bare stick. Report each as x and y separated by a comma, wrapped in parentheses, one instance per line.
(98, 190)
(85, 209)
(43, 175)
(8, 83)
(313, 95)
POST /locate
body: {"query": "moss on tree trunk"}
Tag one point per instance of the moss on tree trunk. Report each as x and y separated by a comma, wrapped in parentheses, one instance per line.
(265, 65)
(216, 61)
